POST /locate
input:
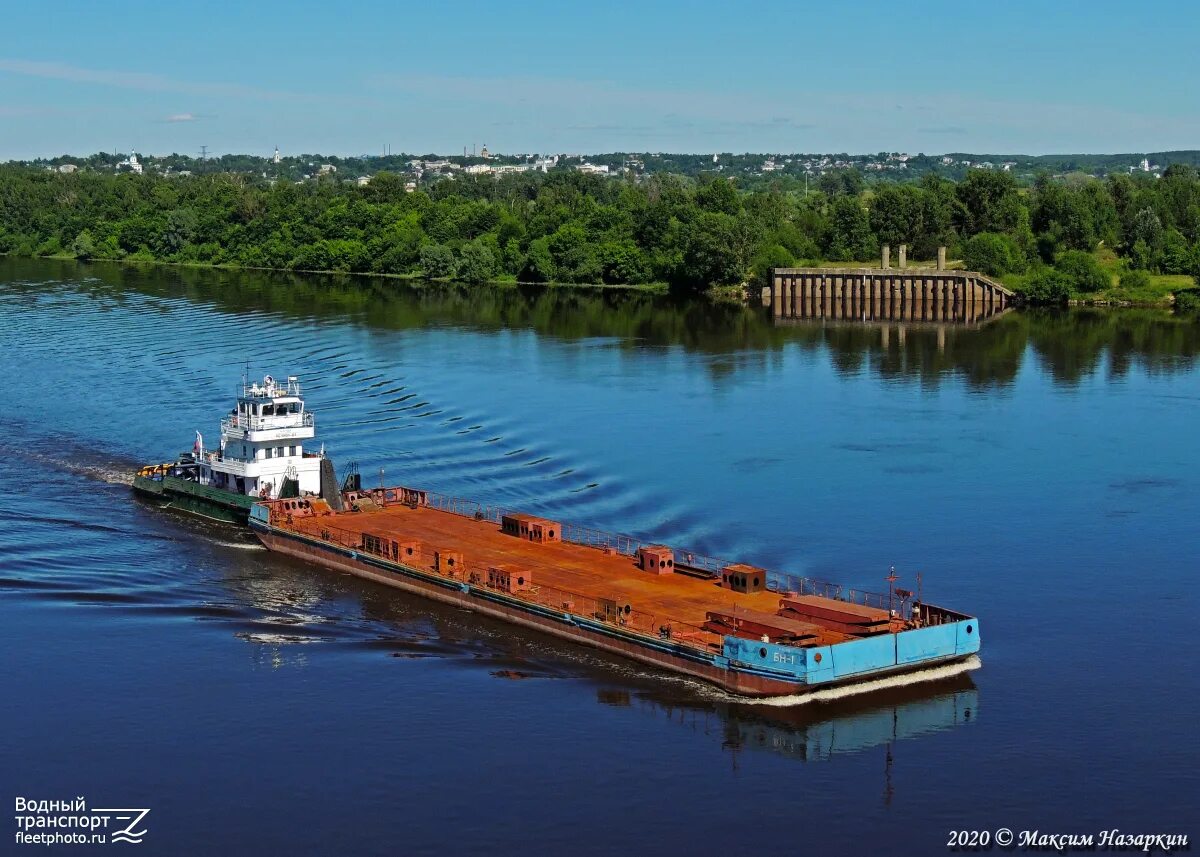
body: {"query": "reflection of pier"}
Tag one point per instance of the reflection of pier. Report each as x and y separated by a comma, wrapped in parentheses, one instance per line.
(937, 297)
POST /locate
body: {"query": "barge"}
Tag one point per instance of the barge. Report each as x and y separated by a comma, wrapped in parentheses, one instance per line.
(741, 628)
(262, 454)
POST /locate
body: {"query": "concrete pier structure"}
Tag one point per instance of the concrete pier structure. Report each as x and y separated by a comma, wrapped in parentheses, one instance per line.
(872, 294)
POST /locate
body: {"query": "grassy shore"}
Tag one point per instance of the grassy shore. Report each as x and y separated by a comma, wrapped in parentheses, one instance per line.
(1159, 291)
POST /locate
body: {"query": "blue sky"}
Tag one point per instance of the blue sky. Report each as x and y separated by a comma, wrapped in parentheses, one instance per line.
(701, 76)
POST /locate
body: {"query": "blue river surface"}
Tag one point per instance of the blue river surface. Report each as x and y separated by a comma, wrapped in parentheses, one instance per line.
(1038, 470)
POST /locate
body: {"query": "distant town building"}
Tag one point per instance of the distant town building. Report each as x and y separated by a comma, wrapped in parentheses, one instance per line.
(276, 159)
(363, 181)
(484, 153)
(67, 168)
(326, 169)
(592, 169)
(434, 166)
(131, 163)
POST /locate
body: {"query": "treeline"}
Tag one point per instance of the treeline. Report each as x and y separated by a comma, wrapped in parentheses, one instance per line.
(574, 228)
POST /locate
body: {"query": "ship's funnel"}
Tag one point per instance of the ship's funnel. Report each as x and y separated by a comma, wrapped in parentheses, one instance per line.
(329, 485)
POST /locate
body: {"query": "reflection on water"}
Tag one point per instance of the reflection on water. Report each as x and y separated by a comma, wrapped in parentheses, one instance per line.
(1072, 343)
(1038, 468)
(819, 731)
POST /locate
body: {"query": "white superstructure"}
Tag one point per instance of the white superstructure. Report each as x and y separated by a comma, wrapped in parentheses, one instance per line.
(263, 442)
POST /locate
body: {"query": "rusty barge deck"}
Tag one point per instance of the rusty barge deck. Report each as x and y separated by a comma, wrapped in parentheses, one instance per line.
(742, 628)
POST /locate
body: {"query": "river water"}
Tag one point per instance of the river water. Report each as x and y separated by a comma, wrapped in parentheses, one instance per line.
(1038, 470)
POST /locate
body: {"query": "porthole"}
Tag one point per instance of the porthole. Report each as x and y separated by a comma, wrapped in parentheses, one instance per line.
(970, 630)
(817, 657)
(762, 653)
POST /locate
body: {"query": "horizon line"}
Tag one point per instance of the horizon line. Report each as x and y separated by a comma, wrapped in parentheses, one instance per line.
(584, 154)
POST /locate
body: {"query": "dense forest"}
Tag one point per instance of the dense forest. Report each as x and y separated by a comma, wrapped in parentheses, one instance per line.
(1053, 240)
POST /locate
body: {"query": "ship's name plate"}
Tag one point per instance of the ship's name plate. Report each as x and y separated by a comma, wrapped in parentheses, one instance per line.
(280, 434)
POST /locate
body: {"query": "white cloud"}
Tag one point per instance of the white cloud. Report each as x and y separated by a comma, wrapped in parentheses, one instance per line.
(136, 80)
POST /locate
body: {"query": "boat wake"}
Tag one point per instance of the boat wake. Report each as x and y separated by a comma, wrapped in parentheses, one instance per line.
(112, 472)
(241, 546)
(834, 694)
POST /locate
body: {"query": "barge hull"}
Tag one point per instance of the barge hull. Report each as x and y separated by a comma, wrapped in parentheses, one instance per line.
(740, 678)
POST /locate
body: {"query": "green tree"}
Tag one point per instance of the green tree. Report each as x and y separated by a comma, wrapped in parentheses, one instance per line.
(1083, 272)
(993, 253)
(849, 234)
(713, 253)
(574, 255)
(848, 182)
(719, 196)
(1046, 286)
(437, 260)
(897, 214)
(1075, 218)
(623, 262)
(1177, 256)
(990, 202)
(476, 262)
(84, 247)
(771, 256)
(1187, 302)
(1147, 229)
(539, 263)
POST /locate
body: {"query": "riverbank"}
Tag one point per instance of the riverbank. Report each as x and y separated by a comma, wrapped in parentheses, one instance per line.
(411, 279)
(1153, 290)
